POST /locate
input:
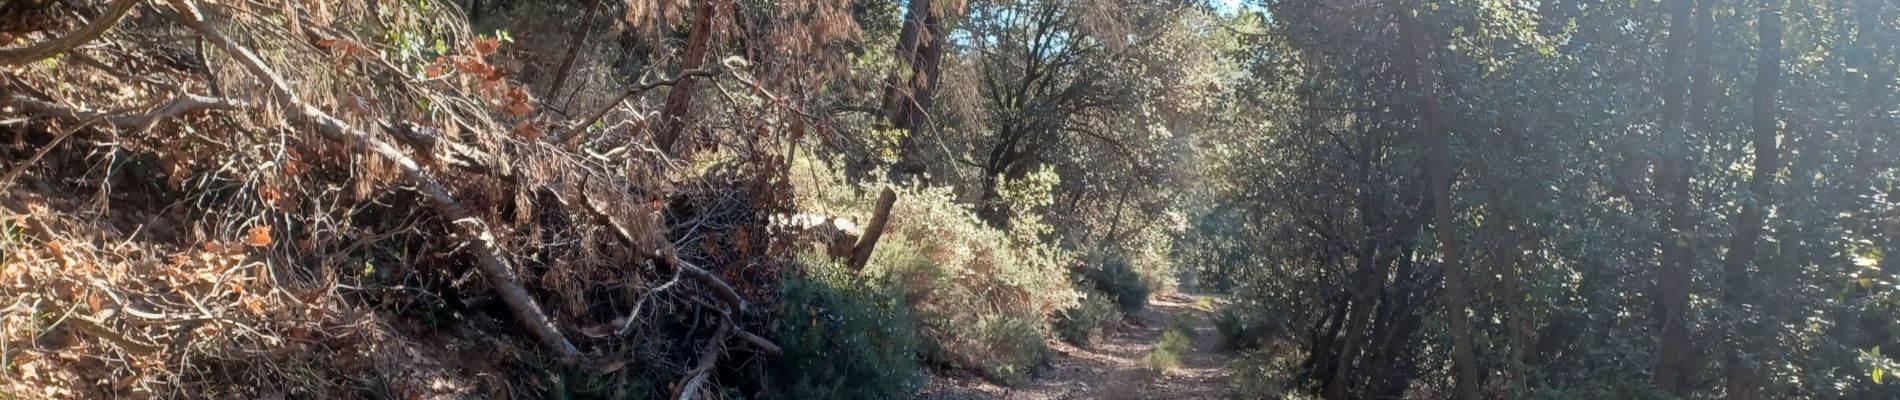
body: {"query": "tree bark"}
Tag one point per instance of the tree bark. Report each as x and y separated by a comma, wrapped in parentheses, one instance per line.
(1438, 165)
(680, 99)
(576, 41)
(908, 96)
(861, 253)
(1367, 283)
(1671, 366)
(1742, 377)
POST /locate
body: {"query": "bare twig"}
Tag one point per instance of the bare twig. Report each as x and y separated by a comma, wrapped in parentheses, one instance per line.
(7, 181)
(663, 252)
(477, 238)
(627, 326)
(97, 328)
(98, 27)
(641, 88)
(90, 61)
(184, 103)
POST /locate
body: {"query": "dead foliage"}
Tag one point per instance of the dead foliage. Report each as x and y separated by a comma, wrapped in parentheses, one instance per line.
(260, 199)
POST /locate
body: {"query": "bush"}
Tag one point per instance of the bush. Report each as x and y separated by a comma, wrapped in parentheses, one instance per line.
(843, 339)
(1088, 319)
(1244, 328)
(1014, 345)
(1118, 279)
(983, 298)
(1263, 373)
(1176, 341)
(984, 301)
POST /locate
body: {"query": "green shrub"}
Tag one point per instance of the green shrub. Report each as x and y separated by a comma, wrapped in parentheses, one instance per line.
(984, 301)
(1263, 373)
(843, 339)
(983, 298)
(1014, 345)
(1175, 342)
(1244, 328)
(1118, 279)
(1087, 320)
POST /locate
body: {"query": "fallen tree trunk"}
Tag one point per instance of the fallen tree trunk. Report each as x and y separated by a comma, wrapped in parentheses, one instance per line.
(478, 239)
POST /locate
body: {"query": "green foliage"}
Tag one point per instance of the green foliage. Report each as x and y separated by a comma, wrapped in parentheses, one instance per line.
(1088, 319)
(843, 339)
(1246, 328)
(1263, 373)
(983, 300)
(12, 233)
(1014, 344)
(1118, 279)
(1175, 342)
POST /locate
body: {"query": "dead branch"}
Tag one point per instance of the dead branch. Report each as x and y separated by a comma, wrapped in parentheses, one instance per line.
(764, 345)
(626, 325)
(661, 251)
(97, 328)
(477, 238)
(429, 142)
(98, 27)
(760, 342)
(116, 72)
(861, 253)
(574, 130)
(689, 384)
(184, 103)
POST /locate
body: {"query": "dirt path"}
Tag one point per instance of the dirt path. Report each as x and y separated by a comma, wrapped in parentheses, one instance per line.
(1112, 369)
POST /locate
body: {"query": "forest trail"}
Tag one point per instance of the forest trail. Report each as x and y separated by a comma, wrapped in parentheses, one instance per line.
(1113, 368)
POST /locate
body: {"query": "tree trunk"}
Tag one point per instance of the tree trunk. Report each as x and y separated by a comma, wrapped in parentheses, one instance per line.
(1367, 283)
(1438, 165)
(680, 99)
(908, 96)
(1671, 367)
(861, 253)
(1742, 376)
(1395, 337)
(576, 41)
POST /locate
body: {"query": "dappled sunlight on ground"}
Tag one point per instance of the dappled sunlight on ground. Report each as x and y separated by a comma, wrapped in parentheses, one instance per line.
(1111, 369)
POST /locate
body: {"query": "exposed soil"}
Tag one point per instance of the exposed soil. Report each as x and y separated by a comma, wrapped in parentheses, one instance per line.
(1112, 369)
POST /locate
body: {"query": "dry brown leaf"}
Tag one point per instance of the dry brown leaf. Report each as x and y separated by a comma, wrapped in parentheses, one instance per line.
(255, 304)
(258, 236)
(519, 108)
(528, 130)
(435, 70)
(59, 253)
(486, 45)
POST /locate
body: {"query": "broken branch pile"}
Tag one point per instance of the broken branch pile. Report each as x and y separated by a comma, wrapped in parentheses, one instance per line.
(260, 204)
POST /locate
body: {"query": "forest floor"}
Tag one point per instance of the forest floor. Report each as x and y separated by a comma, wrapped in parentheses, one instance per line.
(1113, 368)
